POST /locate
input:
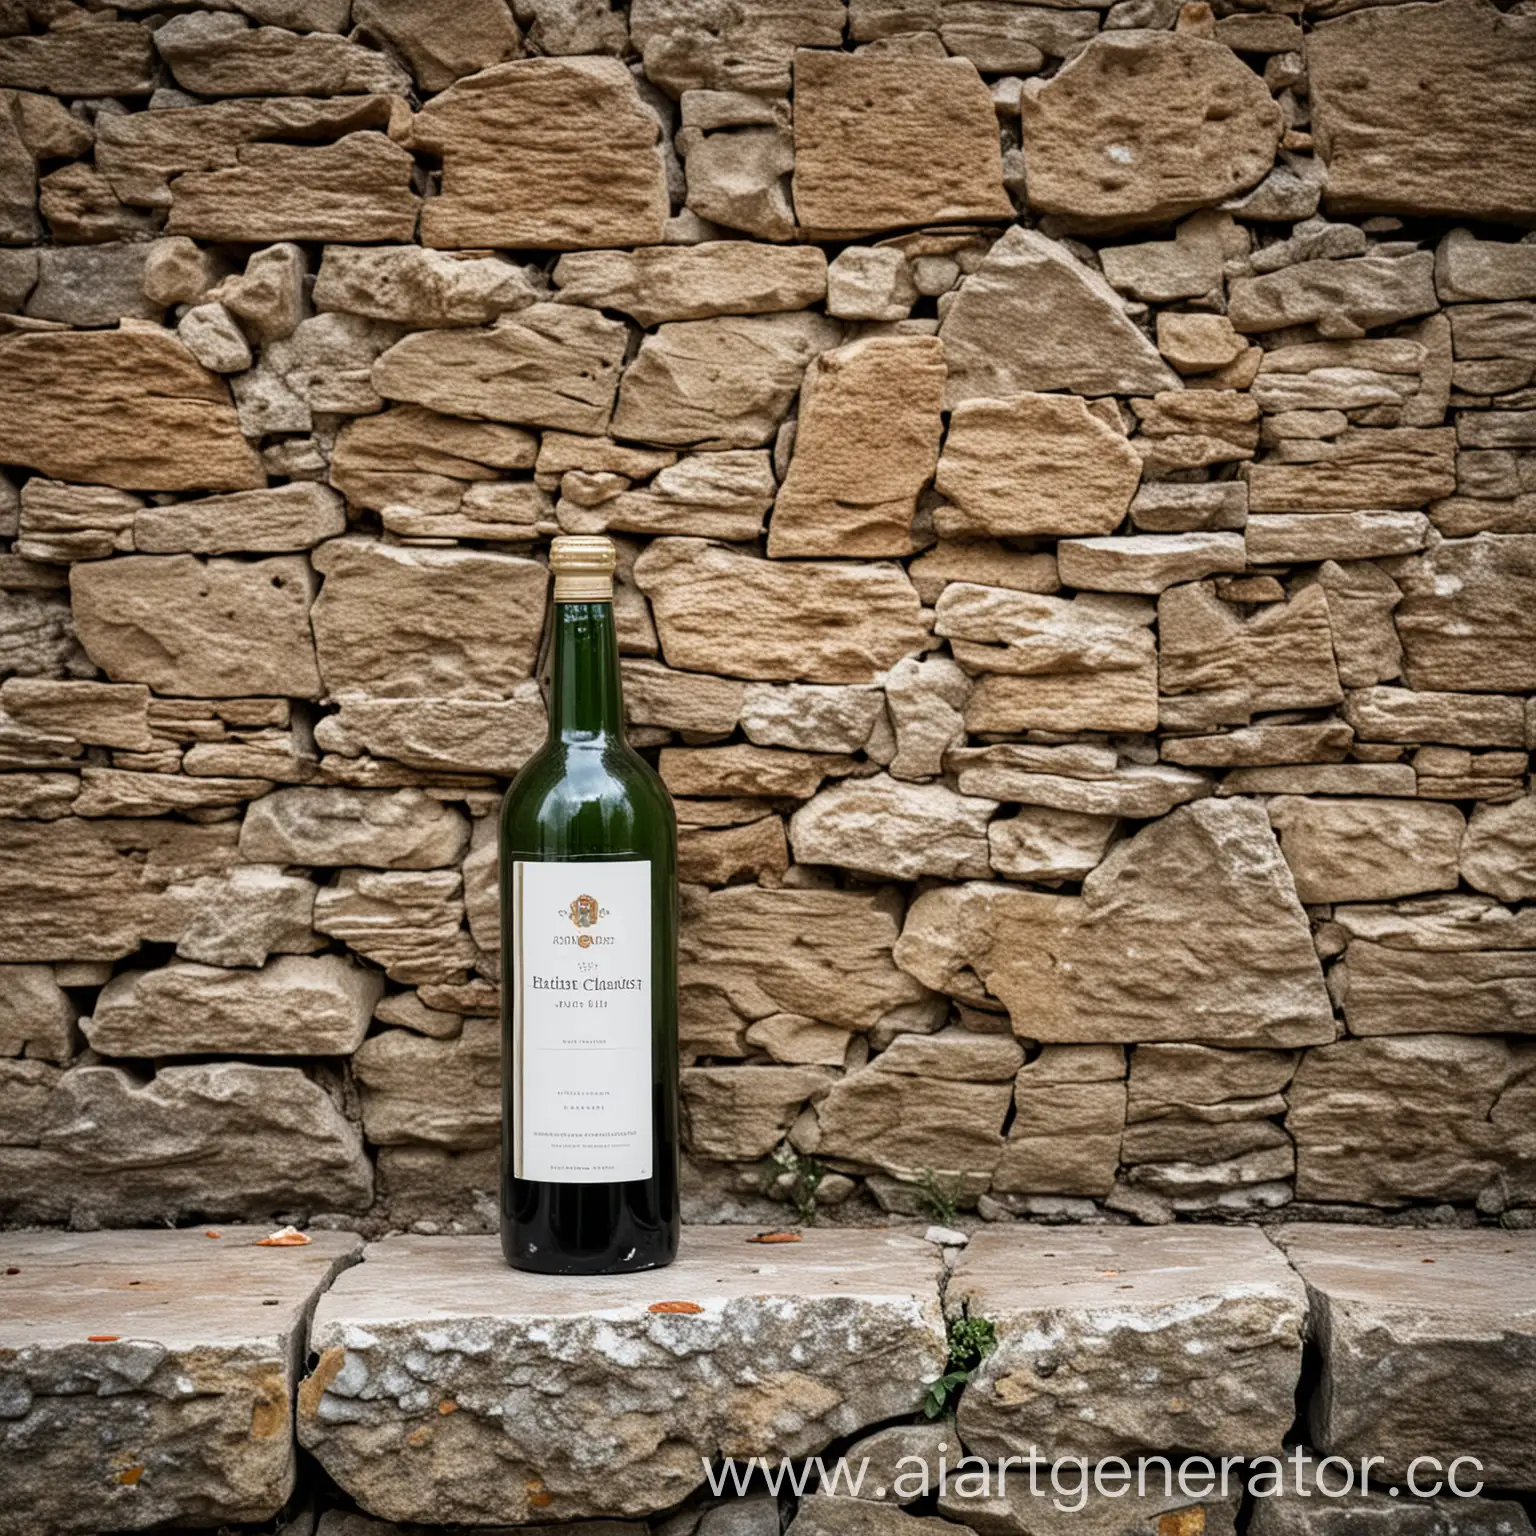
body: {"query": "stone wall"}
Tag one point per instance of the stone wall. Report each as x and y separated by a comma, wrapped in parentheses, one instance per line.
(1075, 477)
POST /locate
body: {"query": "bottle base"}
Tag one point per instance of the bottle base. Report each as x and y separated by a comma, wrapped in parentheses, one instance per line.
(553, 1262)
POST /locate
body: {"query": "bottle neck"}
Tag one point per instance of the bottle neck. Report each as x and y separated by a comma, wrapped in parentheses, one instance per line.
(586, 701)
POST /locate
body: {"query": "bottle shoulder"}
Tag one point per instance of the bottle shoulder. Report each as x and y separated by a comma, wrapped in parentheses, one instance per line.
(568, 794)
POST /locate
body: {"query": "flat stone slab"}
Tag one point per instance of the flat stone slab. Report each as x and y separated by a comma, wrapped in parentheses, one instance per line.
(1428, 1344)
(1127, 1341)
(149, 1376)
(451, 1388)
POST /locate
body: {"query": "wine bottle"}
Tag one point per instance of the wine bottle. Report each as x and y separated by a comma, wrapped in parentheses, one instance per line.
(589, 1178)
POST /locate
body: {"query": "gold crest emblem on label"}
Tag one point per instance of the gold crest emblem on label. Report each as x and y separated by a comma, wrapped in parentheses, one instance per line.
(584, 911)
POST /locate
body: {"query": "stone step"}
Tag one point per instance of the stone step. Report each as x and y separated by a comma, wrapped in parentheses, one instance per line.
(148, 1377)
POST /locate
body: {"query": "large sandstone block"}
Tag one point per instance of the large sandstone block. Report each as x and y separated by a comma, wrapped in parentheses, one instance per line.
(1468, 615)
(217, 54)
(281, 517)
(740, 48)
(1393, 143)
(358, 188)
(1363, 467)
(866, 444)
(375, 828)
(296, 1005)
(130, 408)
(768, 1355)
(213, 629)
(105, 58)
(1428, 1343)
(394, 622)
(412, 286)
(897, 831)
(1367, 849)
(209, 1141)
(37, 1016)
(554, 153)
(455, 735)
(1088, 1320)
(95, 890)
(881, 143)
(724, 383)
(1451, 964)
(1033, 464)
(740, 1114)
(1396, 1120)
(1342, 298)
(1202, 898)
(1033, 317)
(694, 282)
(824, 954)
(140, 152)
(444, 1093)
(718, 610)
(411, 922)
(181, 1408)
(549, 365)
(1142, 127)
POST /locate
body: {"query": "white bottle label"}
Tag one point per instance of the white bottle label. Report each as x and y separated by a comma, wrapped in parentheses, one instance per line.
(581, 1021)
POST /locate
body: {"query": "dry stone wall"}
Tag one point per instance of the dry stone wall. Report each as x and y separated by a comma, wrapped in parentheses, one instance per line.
(1075, 477)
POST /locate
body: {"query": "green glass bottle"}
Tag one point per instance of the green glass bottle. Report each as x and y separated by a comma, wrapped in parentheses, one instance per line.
(589, 1179)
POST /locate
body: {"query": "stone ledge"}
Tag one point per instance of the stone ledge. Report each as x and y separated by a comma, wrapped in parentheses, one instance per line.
(149, 1376)
(1428, 1341)
(450, 1388)
(1130, 1341)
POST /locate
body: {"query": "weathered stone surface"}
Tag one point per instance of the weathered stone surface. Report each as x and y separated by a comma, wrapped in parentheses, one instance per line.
(899, 831)
(229, 1314)
(103, 714)
(1394, 1120)
(984, 562)
(685, 701)
(282, 517)
(805, 1378)
(747, 770)
(549, 365)
(1224, 666)
(1216, 1314)
(1469, 270)
(456, 735)
(444, 1093)
(756, 850)
(1367, 849)
(1033, 317)
(1033, 464)
(1045, 845)
(92, 285)
(411, 922)
(1467, 612)
(1147, 562)
(1069, 1115)
(1187, 267)
(809, 717)
(745, 48)
(1144, 126)
(206, 628)
(483, 33)
(724, 383)
(209, 333)
(426, 623)
(122, 792)
(217, 54)
(1342, 298)
(1459, 719)
(224, 1140)
(1202, 896)
(140, 152)
(823, 954)
(1390, 147)
(246, 913)
(297, 1005)
(740, 179)
(866, 444)
(1455, 964)
(881, 143)
(1008, 771)
(379, 829)
(413, 286)
(1363, 467)
(902, 1123)
(1062, 665)
(725, 612)
(553, 153)
(73, 522)
(105, 58)
(358, 188)
(1498, 854)
(924, 700)
(739, 1115)
(1396, 1312)
(37, 1017)
(694, 282)
(130, 408)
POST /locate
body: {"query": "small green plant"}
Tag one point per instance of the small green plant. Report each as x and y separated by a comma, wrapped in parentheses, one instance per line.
(799, 1178)
(938, 1198)
(971, 1340)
